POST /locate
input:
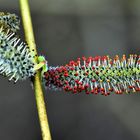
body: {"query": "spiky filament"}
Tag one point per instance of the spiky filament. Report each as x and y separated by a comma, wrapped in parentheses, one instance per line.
(16, 60)
(10, 21)
(96, 75)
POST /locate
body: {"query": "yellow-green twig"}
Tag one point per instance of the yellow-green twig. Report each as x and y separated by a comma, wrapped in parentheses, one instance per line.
(27, 24)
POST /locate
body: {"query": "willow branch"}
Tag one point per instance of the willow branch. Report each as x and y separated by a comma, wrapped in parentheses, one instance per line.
(27, 24)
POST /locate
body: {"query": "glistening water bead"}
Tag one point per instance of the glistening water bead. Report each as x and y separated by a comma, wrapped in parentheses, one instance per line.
(96, 75)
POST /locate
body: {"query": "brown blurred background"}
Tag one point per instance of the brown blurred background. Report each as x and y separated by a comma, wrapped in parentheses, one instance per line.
(65, 30)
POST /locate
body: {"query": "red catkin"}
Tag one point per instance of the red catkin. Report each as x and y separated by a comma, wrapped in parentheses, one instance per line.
(96, 75)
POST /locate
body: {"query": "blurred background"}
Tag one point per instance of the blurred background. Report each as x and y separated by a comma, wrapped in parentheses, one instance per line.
(65, 30)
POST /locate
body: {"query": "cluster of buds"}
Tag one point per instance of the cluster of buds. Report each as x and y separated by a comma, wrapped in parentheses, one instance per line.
(16, 60)
(96, 75)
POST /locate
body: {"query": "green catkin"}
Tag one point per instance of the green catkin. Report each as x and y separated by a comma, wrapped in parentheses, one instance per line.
(16, 60)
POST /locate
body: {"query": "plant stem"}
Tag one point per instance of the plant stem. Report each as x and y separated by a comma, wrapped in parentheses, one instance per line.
(27, 24)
